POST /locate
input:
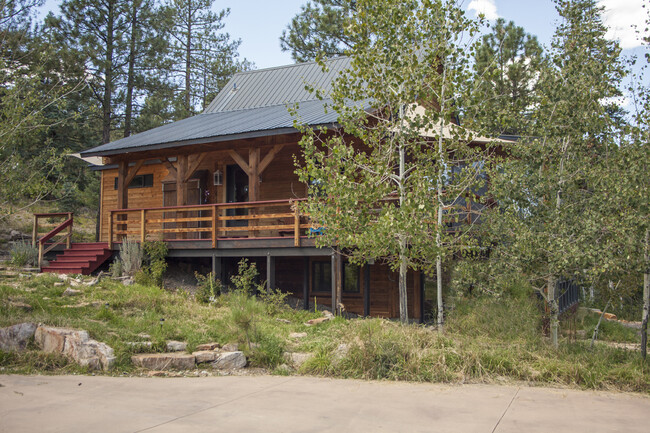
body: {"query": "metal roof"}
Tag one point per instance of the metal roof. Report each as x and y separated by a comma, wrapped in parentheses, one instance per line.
(252, 104)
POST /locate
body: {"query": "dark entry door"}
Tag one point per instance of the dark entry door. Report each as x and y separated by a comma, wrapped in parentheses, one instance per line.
(236, 192)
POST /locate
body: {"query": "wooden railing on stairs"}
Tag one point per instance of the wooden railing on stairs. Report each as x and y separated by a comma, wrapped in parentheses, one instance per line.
(261, 219)
(58, 228)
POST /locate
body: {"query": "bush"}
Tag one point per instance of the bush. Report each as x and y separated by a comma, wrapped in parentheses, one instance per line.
(244, 312)
(208, 287)
(245, 280)
(155, 254)
(23, 254)
(131, 256)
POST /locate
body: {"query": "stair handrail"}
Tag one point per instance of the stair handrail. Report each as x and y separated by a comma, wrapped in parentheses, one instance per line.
(67, 238)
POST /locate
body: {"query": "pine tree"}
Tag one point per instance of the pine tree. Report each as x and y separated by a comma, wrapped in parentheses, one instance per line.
(319, 29)
(202, 56)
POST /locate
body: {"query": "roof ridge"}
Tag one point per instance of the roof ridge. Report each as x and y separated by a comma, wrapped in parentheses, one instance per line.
(262, 106)
(293, 65)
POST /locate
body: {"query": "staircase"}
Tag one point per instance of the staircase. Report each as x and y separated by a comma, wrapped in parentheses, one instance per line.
(81, 258)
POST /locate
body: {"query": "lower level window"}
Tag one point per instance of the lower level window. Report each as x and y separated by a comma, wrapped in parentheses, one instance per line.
(321, 276)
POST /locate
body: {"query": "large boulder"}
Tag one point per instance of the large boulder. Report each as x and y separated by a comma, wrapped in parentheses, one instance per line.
(230, 361)
(76, 345)
(15, 338)
(164, 361)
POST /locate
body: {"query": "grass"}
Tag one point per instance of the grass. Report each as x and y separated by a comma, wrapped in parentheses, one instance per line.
(485, 340)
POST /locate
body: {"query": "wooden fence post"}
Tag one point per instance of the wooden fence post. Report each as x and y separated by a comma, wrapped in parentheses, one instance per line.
(215, 222)
(110, 230)
(296, 227)
(34, 231)
(68, 242)
(143, 229)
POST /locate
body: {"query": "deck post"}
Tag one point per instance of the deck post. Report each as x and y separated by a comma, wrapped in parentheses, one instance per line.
(422, 282)
(122, 193)
(34, 231)
(143, 228)
(270, 273)
(110, 230)
(305, 283)
(333, 278)
(217, 268)
(68, 241)
(215, 223)
(181, 193)
(253, 186)
(40, 255)
(366, 290)
(296, 226)
(339, 284)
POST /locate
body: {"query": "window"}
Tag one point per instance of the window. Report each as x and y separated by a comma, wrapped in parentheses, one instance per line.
(321, 276)
(139, 181)
(351, 278)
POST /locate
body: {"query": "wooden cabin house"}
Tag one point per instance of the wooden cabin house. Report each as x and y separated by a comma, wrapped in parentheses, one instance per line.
(221, 185)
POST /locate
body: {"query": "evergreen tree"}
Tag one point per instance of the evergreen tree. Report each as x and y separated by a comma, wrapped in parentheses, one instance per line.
(319, 29)
(202, 56)
(507, 66)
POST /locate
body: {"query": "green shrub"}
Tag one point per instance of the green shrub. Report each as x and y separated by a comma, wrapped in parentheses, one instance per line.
(154, 264)
(245, 310)
(245, 280)
(208, 287)
(23, 254)
(274, 301)
(131, 256)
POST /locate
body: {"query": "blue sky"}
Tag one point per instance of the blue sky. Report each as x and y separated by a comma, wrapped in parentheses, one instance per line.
(259, 23)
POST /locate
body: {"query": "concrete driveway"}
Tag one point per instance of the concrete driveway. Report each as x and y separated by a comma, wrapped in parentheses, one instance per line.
(305, 404)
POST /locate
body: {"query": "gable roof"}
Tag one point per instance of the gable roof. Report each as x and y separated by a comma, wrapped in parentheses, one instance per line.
(252, 104)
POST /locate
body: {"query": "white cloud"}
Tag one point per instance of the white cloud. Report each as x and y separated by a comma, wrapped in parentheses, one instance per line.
(485, 7)
(624, 18)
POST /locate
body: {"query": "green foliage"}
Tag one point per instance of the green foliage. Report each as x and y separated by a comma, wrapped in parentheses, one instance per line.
(246, 278)
(208, 287)
(154, 263)
(274, 301)
(319, 30)
(23, 254)
(244, 313)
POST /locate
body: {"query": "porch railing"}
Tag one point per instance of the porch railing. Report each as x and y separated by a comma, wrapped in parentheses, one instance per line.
(61, 229)
(262, 219)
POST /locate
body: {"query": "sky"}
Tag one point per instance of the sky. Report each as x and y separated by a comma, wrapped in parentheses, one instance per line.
(259, 23)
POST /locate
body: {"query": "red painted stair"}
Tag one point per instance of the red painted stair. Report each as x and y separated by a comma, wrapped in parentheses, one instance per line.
(81, 258)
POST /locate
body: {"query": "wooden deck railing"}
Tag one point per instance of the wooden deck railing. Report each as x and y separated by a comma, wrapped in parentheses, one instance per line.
(58, 228)
(262, 219)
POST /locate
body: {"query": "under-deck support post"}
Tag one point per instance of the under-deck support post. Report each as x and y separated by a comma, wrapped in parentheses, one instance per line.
(422, 282)
(305, 283)
(366, 290)
(217, 268)
(339, 284)
(333, 266)
(270, 273)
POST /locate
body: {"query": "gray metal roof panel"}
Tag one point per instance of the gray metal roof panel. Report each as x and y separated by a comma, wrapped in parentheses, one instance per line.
(275, 86)
(209, 127)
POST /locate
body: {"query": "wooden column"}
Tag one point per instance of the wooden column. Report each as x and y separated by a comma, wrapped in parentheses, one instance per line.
(421, 289)
(333, 278)
(366, 290)
(305, 283)
(270, 273)
(122, 195)
(339, 284)
(217, 268)
(254, 174)
(34, 231)
(181, 191)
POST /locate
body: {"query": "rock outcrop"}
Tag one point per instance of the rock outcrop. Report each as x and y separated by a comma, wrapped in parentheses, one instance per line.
(75, 345)
(15, 338)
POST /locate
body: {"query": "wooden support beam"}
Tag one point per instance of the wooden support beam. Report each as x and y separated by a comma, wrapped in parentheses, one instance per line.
(239, 160)
(253, 174)
(132, 172)
(170, 167)
(270, 273)
(422, 283)
(366, 290)
(333, 278)
(122, 191)
(197, 160)
(339, 284)
(305, 283)
(269, 157)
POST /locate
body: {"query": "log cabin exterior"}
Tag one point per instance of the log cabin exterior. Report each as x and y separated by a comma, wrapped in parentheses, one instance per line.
(221, 185)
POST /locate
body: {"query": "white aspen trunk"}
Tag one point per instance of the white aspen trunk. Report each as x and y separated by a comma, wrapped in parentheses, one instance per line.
(403, 259)
(553, 313)
(441, 167)
(646, 296)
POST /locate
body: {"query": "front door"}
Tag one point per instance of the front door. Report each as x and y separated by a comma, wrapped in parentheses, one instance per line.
(236, 192)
